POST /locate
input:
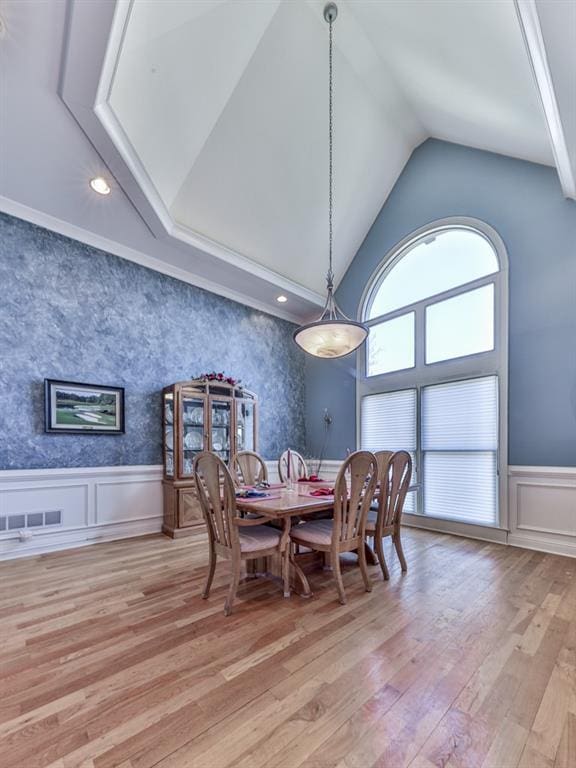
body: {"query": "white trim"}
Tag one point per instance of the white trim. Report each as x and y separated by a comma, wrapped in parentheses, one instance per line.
(520, 471)
(542, 544)
(70, 539)
(64, 473)
(456, 528)
(527, 13)
(74, 232)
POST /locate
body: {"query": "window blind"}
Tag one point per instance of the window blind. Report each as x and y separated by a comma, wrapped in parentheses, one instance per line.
(461, 486)
(462, 415)
(460, 441)
(388, 423)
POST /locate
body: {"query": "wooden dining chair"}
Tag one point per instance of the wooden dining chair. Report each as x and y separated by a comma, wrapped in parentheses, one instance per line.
(298, 467)
(230, 536)
(249, 468)
(394, 480)
(345, 531)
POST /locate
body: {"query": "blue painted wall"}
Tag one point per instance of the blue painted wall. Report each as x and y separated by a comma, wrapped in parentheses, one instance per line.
(68, 311)
(524, 203)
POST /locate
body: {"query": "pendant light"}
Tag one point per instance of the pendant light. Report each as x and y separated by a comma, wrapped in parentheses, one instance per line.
(333, 334)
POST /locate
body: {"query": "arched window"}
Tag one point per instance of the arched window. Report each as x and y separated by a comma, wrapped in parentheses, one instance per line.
(432, 376)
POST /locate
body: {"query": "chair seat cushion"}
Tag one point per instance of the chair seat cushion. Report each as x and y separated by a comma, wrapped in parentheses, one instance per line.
(257, 537)
(315, 532)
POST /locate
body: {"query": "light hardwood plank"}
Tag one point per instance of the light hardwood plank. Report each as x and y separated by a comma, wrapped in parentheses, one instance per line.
(111, 659)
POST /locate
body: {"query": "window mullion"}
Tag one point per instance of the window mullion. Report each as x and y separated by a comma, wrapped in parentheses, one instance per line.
(420, 340)
(419, 454)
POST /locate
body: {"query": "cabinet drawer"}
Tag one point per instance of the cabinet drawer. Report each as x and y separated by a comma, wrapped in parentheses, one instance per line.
(189, 509)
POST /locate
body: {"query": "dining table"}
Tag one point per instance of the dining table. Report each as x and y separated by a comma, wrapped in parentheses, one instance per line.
(284, 505)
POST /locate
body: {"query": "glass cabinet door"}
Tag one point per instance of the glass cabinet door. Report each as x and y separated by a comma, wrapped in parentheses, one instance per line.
(245, 425)
(221, 427)
(168, 425)
(193, 430)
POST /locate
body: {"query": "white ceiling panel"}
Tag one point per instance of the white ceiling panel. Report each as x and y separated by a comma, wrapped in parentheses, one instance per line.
(259, 184)
(464, 69)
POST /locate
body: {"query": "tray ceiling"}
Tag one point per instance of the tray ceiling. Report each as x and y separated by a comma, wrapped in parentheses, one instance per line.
(211, 115)
(224, 105)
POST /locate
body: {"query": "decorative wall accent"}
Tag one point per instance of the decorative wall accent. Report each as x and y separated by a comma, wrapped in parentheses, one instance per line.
(72, 312)
(73, 407)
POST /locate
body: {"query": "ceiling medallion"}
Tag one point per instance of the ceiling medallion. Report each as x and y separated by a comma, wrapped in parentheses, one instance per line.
(333, 334)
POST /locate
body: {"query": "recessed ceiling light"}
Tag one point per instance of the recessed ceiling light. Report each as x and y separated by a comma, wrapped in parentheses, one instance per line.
(282, 299)
(100, 185)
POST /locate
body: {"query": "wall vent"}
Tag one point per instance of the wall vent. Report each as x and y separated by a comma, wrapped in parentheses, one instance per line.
(31, 520)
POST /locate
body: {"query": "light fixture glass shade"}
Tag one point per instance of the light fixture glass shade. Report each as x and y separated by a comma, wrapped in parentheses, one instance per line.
(333, 337)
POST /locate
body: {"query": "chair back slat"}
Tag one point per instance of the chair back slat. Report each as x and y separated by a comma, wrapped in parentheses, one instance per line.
(297, 466)
(217, 498)
(395, 483)
(249, 468)
(353, 493)
(383, 461)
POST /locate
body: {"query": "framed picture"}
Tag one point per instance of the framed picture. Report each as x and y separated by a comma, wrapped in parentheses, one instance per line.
(71, 408)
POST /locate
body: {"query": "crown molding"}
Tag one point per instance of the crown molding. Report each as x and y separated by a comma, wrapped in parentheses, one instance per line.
(527, 13)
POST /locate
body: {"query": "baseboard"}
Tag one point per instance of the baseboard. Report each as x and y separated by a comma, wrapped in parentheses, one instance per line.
(11, 549)
(470, 531)
(541, 544)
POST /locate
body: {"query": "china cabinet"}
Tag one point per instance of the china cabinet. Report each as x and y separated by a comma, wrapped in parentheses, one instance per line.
(200, 415)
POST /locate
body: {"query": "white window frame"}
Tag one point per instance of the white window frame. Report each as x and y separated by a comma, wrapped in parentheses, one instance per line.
(493, 362)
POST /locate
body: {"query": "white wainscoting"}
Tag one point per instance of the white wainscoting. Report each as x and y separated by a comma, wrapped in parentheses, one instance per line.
(542, 508)
(96, 504)
(105, 503)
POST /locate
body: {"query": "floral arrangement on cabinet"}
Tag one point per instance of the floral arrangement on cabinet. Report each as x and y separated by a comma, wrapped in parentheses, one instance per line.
(221, 376)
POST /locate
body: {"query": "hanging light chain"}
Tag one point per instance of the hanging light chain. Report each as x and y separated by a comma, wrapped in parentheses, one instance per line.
(330, 276)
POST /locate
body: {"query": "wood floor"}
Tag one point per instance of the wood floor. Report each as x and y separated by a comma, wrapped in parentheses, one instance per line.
(111, 658)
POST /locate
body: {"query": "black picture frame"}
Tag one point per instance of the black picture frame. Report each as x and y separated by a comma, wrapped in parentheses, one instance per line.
(72, 407)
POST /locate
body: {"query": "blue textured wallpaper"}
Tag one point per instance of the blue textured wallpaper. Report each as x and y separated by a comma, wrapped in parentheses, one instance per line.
(72, 312)
(524, 203)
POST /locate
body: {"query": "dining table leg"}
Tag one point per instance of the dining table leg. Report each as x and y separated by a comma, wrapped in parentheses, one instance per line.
(306, 591)
(285, 548)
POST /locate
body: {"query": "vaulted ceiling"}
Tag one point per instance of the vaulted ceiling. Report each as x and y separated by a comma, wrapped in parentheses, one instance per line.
(212, 117)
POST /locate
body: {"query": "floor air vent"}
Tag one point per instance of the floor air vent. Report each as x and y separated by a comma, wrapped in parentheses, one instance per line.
(31, 520)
